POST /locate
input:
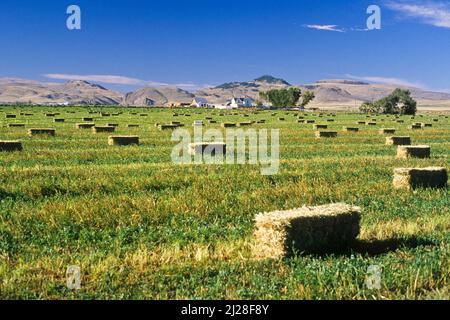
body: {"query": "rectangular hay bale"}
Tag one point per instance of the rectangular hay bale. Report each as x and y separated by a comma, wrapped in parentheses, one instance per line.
(123, 140)
(84, 125)
(326, 134)
(210, 148)
(411, 178)
(387, 131)
(167, 126)
(350, 129)
(228, 125)
(100, 129)
(10, 145)
(398, 141)
(34, 132)
(320, 229)
(404, 152)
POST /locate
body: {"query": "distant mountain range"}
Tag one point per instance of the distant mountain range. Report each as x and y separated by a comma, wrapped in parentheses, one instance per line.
(329, 93)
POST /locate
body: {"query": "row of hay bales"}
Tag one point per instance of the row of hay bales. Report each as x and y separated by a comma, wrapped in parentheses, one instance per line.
(326, 228)
(16, 145)
(333, 134)
(199, 123)
(334, 227)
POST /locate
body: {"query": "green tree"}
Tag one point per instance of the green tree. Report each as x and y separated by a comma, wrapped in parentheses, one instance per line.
(307, 97)
(282, 97)
(369, 107)
(398, 102)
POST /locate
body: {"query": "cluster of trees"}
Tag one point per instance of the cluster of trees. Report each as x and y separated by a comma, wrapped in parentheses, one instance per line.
(288, 98)
(398, 102)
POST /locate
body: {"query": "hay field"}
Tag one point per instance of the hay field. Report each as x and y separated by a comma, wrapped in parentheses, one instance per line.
(141, 227)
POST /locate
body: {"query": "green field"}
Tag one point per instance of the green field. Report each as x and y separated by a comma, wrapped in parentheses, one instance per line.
(141, 227)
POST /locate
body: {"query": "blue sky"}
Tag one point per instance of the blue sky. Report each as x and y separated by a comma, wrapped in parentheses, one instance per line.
(127, 44)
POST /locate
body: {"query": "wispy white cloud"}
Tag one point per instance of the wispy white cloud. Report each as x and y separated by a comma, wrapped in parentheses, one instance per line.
(360, 29)
(387, 80)
(436, 13)
(328, 27)
(121, 80)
